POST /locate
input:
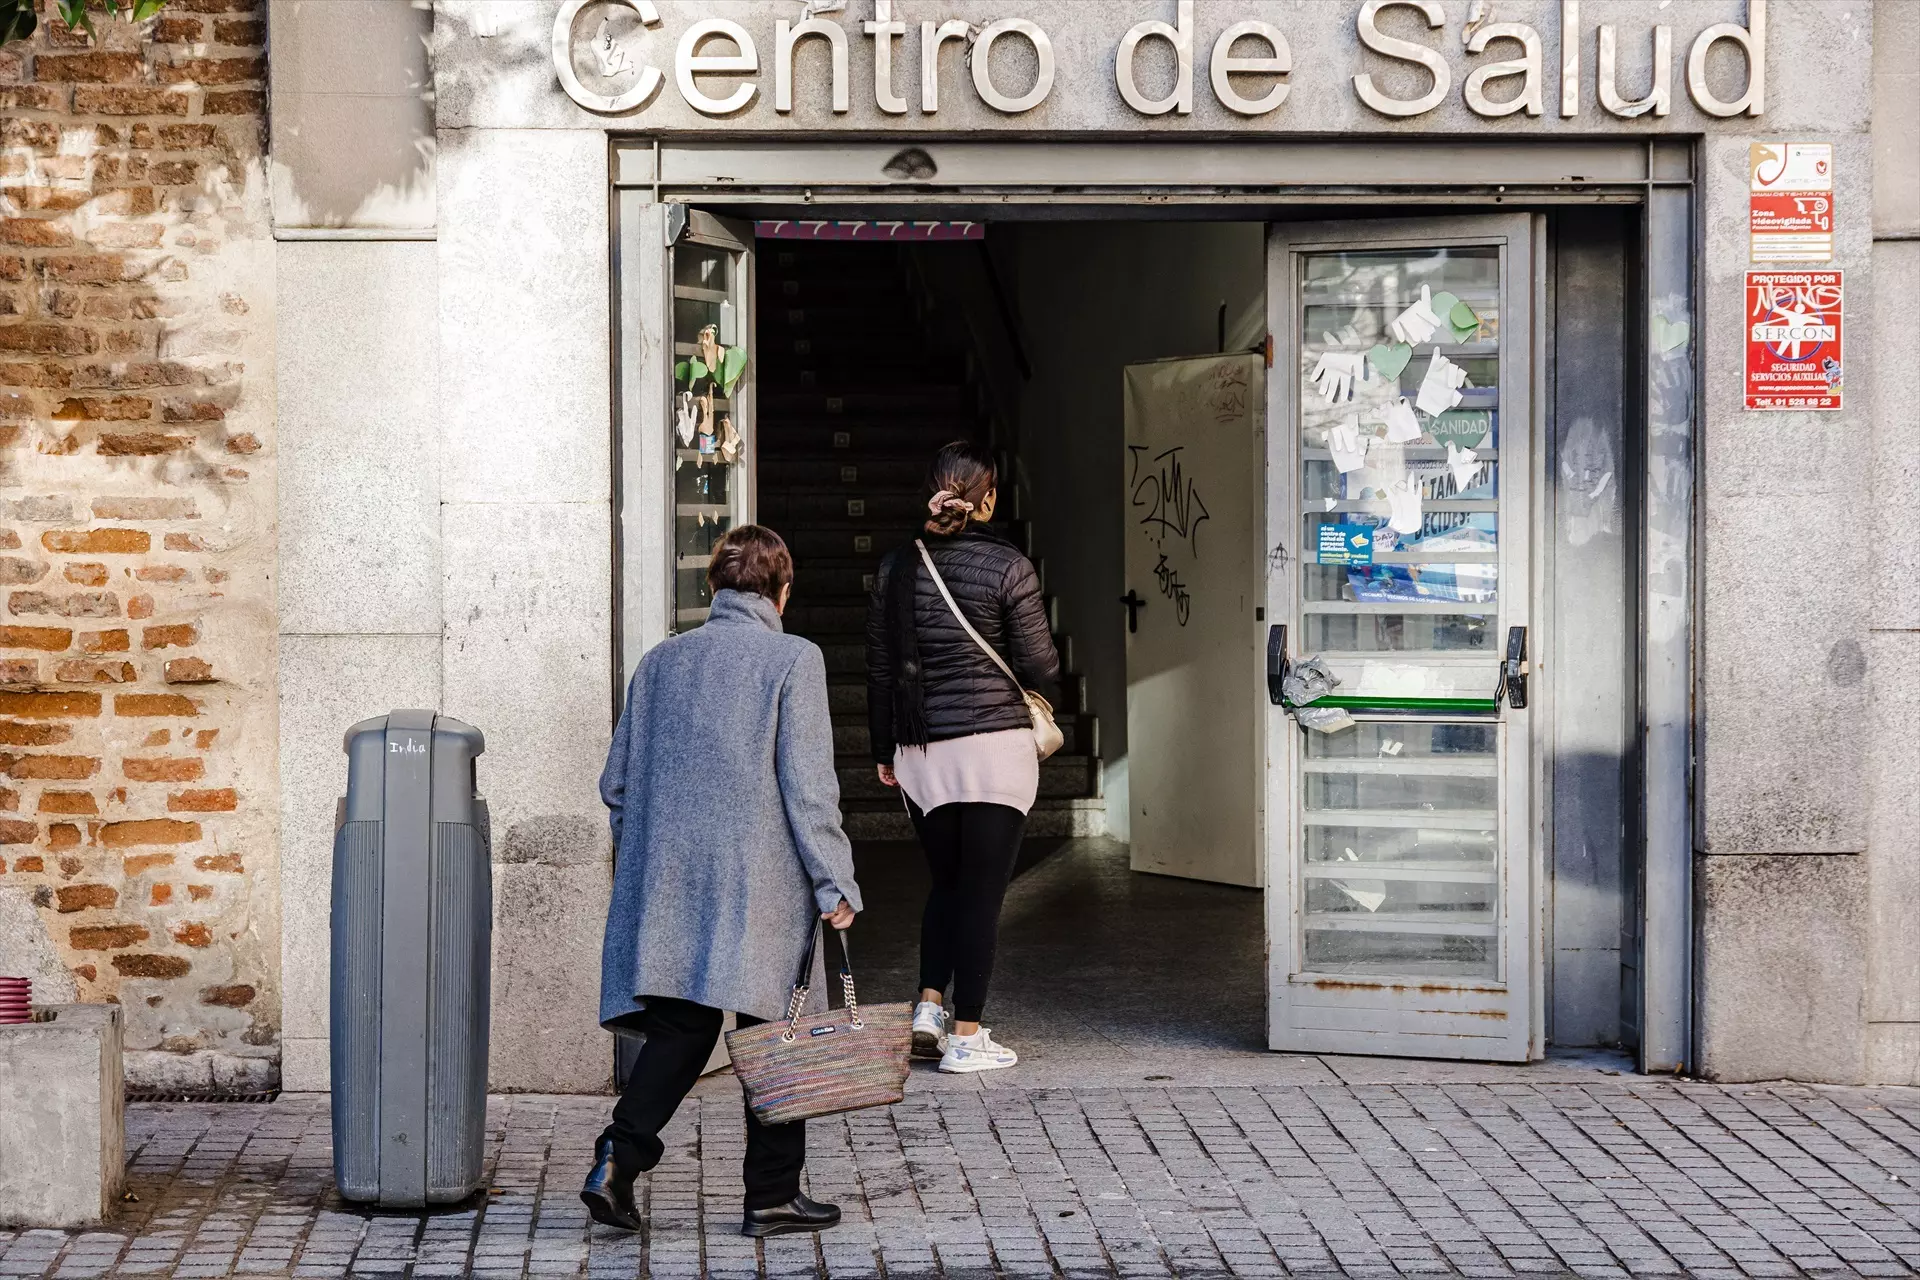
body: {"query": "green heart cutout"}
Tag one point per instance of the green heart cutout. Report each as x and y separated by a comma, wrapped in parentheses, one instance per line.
(1464, 321)
(732, 364)
(1442, 303)
(1669, 335)
(1388, 360)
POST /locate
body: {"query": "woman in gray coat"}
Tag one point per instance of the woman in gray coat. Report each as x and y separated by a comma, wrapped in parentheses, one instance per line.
(728, 851)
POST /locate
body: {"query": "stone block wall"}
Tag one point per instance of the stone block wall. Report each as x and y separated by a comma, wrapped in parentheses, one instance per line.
(136, 529)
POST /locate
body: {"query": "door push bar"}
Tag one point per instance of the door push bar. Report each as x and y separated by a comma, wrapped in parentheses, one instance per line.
(1513, 671)
(1277, 665)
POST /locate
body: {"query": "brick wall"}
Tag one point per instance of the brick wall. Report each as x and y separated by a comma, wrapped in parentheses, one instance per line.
(136, 525)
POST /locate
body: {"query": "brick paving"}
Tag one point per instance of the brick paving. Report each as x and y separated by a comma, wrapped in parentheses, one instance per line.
(1607, 1176)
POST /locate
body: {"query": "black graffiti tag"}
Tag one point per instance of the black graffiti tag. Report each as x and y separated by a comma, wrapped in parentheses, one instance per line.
(1173, 589)
(1172, 502)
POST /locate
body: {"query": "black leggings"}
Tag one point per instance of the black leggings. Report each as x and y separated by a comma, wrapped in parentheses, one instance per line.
(971, 850)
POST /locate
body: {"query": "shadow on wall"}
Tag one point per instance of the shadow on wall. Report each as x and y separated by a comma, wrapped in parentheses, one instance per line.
(353, 115)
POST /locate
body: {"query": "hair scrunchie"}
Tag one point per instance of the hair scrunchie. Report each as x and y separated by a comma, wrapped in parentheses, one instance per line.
(947, 499)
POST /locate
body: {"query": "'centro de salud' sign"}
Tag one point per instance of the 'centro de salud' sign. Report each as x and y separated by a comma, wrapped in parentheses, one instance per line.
(716, 65)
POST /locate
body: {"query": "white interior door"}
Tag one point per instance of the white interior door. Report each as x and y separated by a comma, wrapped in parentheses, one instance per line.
(1403, 916)
(1195, 451)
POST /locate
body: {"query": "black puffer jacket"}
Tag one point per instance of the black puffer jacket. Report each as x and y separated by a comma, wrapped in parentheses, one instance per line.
(999, 591)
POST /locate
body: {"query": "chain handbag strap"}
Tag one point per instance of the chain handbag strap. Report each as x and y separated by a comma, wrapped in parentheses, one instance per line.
(846, 984)
(794, 1005)
(803, 987)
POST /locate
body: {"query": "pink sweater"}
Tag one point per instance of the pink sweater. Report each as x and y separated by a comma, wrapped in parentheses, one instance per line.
(981, 768)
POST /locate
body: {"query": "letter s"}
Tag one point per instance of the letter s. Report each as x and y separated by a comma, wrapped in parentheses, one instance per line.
(1404, 51)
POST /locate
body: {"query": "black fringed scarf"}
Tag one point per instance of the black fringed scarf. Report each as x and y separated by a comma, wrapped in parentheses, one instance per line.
(909, 698)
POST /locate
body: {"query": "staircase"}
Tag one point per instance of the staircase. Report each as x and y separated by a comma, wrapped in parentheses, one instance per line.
(856, 391)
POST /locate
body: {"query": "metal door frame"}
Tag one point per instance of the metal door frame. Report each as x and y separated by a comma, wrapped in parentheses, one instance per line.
(1214, 178)
(1520, 833)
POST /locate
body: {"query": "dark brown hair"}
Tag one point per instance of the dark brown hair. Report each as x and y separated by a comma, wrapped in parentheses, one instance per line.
(750, 557)
(967, 471)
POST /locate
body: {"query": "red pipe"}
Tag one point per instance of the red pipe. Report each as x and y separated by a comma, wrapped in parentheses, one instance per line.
(16, 1001)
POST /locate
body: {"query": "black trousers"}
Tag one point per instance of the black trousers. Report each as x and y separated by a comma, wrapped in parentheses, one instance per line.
(680, 1038)
(971, 849)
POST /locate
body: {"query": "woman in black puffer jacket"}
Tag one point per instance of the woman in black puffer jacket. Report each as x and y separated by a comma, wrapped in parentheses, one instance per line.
(953, 732)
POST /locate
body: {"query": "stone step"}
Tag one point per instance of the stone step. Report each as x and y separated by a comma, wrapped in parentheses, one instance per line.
(834, 472)
(858, 350)
(865, 441)
(864, 546)
(862, 506)
(778, 405)
(803, 370)
(784, 319)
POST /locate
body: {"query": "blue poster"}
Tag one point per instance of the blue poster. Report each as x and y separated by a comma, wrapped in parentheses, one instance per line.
(1346, 544)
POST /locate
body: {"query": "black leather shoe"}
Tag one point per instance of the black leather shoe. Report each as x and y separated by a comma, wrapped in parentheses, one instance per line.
(608, 1193)
(797, 1214)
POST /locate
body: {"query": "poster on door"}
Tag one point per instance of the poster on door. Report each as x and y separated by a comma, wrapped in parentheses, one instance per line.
(1793, 339)
(1790, 201)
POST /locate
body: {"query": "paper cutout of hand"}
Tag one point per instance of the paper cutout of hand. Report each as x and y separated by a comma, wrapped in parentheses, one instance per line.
(1402, 426)
(1465, 465)
(1403, 499)
(1439, 390)
(683, 422)
(1417, 323)
(1347, 445)
(1337, 372)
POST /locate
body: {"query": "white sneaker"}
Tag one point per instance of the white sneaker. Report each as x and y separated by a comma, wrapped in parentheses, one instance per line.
(929, 1030)
(976, 1052)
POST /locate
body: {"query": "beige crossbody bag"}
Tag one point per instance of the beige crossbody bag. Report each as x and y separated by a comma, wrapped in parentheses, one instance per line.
(1047, 737)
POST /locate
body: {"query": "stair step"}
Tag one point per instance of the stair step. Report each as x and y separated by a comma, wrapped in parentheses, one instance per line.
(828, 471)
(865, 506)
(785, 318)
(864, 442)
(861, 399)
(800, 371)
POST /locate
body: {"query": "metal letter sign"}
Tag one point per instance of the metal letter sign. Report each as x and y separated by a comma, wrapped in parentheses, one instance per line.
(611, 61)
(1790, 206)
(1793, 339)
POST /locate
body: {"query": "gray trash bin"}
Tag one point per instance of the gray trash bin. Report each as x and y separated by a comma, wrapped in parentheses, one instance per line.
(412, 946)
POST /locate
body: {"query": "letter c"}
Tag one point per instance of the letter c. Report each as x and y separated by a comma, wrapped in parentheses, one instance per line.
(634, 98)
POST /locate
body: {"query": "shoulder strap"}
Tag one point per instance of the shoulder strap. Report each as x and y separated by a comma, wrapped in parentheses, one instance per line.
(966, 626)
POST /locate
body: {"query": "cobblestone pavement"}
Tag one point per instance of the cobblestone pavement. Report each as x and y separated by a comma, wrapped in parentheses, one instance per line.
(1577, 1174)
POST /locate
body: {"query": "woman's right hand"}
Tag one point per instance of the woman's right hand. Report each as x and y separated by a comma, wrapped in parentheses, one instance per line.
(841, 917)
(886, 775)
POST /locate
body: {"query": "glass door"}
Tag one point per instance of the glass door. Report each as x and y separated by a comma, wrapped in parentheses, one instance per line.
(1401, 852)
(712, 411)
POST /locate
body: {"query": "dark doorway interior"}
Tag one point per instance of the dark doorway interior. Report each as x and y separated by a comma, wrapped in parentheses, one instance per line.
(865, 368)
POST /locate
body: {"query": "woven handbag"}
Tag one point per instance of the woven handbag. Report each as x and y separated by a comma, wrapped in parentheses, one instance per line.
(824, 1063)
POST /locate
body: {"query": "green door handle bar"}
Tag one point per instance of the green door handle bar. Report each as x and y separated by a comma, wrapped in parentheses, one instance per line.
(1512, 686)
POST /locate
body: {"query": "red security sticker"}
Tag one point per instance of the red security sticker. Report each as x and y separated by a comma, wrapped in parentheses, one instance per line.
(1793, 339)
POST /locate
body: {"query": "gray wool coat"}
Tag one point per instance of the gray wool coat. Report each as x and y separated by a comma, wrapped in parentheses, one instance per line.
(726, 817)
